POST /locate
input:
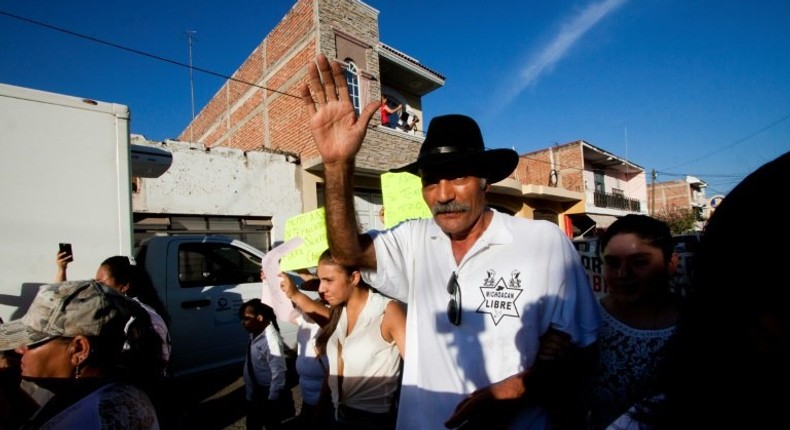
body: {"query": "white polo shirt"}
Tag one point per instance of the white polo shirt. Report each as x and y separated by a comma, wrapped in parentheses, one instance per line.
(520, 278)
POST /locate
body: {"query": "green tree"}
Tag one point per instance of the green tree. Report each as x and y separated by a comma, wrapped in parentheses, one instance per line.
(679, 220)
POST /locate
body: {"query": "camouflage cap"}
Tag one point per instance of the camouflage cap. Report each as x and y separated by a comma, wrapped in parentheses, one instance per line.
(64, 309)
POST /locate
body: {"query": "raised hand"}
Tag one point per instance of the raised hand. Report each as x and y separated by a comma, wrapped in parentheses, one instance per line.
(287, 285)
(337, 131)
(62, 260)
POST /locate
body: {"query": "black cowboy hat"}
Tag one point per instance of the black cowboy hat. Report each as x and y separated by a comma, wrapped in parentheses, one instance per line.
(454, 143)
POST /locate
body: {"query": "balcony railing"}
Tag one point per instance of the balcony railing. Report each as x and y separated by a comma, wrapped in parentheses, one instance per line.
(616, 201)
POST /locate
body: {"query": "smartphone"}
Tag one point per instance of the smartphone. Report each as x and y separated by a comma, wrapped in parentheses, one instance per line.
(66, 247)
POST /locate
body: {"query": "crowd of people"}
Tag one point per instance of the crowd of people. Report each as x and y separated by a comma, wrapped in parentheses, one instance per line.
(470, 319)
(538, 351)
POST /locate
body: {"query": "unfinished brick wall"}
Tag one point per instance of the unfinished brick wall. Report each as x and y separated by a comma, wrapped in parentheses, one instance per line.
(535, 167)
(669, 195)
(249, 117)
(570, 162)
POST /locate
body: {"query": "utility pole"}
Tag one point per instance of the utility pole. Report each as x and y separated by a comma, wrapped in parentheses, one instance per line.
(653, 192)
(190, 36)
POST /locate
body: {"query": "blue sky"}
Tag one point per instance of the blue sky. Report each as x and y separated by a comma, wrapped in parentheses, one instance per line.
(684, 87)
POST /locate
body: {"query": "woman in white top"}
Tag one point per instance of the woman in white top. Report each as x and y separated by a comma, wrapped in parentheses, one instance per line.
(364, 341)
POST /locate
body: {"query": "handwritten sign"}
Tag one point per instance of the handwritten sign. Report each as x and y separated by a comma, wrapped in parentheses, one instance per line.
(402, 195)
(311, 227)
(271, 293)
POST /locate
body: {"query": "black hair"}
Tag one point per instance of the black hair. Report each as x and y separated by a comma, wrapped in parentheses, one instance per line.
(128, 346)
(655, 232)
(140, 285)
(260, 308)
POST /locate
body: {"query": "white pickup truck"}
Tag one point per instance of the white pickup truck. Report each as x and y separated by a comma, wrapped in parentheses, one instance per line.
(203, 281)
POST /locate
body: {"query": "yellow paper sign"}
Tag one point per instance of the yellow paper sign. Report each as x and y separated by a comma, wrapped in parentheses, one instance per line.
(311, 227)
(402, 195)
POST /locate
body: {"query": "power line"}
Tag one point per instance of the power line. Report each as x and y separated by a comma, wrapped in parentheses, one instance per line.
(737, 142)
(725, 176)
(145, 54)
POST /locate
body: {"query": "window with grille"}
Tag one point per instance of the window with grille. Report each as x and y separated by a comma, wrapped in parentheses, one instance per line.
(352, 79)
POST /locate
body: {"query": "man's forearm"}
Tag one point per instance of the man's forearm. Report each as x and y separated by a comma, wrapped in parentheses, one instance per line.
(341, 220)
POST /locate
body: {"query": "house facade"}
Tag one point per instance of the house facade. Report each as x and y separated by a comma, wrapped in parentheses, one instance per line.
(687, 194)
(254, 126)
(593, 187)
(247, 161)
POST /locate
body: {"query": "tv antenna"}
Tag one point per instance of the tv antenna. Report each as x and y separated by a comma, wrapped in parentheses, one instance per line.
(190, 36)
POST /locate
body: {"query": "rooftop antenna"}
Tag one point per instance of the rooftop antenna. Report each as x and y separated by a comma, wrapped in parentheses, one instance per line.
(628, 180)
(190, 36)
(625, 132)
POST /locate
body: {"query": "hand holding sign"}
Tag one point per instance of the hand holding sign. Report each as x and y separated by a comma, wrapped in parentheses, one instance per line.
(311, 227)
(271, 293)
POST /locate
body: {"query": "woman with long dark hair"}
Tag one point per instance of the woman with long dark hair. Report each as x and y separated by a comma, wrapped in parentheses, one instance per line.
(121, 274)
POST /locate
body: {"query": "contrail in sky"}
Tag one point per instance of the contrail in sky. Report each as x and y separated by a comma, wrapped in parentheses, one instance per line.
(570, 32)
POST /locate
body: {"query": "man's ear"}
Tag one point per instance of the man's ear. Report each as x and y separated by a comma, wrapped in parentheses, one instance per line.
(79, 348)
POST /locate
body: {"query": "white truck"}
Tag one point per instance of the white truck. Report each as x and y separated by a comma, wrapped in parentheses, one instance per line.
(203, 281)
(66, 170)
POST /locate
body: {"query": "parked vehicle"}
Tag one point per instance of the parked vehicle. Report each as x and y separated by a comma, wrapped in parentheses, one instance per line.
(66, 175)
(203, 281)
(66, 171)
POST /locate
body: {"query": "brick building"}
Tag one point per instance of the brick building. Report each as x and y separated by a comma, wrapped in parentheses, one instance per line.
(680, 194)
(577, 186)
(581, 187)
(259, 109)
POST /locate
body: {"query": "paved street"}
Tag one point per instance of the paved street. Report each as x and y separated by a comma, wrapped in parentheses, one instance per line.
(212, 402)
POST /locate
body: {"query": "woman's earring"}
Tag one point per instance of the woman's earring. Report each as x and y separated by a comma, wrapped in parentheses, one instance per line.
(77, 371)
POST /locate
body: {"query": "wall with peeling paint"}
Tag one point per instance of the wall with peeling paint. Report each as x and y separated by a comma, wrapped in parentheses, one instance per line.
(221, 181)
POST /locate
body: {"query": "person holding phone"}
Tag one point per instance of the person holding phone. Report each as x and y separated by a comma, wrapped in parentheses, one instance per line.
(122, 274)
(64, 257)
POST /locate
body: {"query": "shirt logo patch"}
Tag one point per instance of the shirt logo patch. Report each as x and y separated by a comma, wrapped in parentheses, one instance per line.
(499, 296)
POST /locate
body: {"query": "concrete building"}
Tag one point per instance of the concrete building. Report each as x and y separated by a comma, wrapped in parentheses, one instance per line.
(217, 191)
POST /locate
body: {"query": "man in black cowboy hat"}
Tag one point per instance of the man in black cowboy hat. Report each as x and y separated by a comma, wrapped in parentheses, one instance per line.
(485, 290)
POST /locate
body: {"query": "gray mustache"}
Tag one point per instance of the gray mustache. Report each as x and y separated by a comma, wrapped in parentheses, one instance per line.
(440, 208)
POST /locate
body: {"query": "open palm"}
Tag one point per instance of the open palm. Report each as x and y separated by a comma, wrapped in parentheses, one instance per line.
(337, 131)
